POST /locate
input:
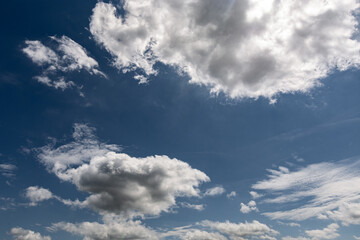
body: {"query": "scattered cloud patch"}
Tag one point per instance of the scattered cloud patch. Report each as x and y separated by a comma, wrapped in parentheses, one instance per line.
(7, 170)
(241, 48)
(24, 234)
(214, 191)
(255, 195)
(232, 194)
(67, 56)
(36, 194)
(246, 208)
(116, 182)
(198, 207)
(125, 230)
(329, 232)
(328, 190)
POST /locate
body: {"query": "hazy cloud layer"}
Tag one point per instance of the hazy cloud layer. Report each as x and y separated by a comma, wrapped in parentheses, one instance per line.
(328, 190)
(244, 48)
(66, 56)
(24, 234)
(117, 182)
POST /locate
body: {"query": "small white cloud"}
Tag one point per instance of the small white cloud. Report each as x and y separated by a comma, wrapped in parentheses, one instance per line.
(24, 234)
(198, 207)
(37, 194)
(357, 238)
(231, 195)
(255, 195)
(214, 191)
(246, 208)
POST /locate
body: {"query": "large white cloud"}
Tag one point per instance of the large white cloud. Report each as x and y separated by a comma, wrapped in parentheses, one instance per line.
(245, 48)
(113, 228)
(328, 190)
(67, 56)
(24, 234)
(117, 182)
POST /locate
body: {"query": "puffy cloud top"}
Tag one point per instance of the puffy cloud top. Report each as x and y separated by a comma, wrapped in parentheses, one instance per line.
(244, 48)
(117, 182)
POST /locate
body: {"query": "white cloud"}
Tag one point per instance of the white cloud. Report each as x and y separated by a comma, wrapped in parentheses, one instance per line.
(325, 190)
(68, 56)
(246, 208)
(7, 170)
(255, 195)
(117, 182)
(36, 194)
(242, 230)
(231, 195)
(24, 234)
(330, 232)
(242, 48)
(357, 238)
(125, 230)
(214, 191)
(198, 207)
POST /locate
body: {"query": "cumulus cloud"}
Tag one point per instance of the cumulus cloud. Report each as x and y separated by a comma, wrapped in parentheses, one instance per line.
(117, 182)
(7, 170)
(66, 56)
(125, 230)
(246, 208)
(242, 230)
(37, 194)
(214, 191)
(24, 234)
(255, 195)
(328, 190)
(329, 232)
(244, 48)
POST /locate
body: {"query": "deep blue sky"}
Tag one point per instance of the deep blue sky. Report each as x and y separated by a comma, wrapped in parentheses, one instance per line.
(233, 141)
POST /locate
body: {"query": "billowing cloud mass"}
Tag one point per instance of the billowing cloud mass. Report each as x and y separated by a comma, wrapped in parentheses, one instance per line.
(37, 194)
(67, 56)
(245, 48)
(24, 234)
(328, 190)
(117, 182)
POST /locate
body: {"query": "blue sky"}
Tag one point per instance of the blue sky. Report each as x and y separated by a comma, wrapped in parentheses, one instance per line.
(179, 120)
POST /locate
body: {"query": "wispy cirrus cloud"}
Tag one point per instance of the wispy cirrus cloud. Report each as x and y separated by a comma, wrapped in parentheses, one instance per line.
(241, 48)
(66, 56)
(327, 190)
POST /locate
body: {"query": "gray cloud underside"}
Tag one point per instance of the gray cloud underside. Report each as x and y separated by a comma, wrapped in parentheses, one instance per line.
(117, 182)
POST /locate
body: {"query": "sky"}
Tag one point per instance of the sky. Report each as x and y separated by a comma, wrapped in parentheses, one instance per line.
(194, 119)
